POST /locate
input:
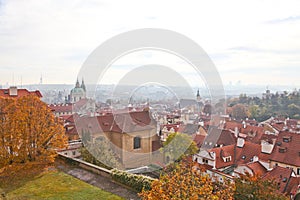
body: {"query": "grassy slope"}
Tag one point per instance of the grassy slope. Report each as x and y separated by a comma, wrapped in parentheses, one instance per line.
(50, 185)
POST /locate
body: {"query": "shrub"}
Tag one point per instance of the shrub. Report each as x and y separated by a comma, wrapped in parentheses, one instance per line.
(134, 181)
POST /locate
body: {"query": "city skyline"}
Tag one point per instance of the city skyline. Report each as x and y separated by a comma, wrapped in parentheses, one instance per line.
(255, 42)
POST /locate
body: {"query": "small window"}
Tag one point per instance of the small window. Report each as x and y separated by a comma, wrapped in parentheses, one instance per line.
(298, 171)
(287, 139)
(136, 142)
(205, 160)
(74, 153)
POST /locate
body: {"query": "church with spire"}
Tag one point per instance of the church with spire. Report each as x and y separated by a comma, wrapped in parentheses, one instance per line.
(78, 92)
(199, 101)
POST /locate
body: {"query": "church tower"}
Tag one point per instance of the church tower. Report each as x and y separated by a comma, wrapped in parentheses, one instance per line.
(78, 92)
(198, 96)
(77, 85)
(83, 85)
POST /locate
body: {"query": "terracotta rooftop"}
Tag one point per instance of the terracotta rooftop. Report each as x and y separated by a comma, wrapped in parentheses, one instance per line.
(61, 107)
(228, 150)
(20, 93)
(242, 155)
(252, 133)
(257, 168)
(217, 137)
(287, 149)
(120, 123)
(189, 129)
(198, 139)
(282, 176)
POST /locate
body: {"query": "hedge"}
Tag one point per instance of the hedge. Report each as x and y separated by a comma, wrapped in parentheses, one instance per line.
(134, 181)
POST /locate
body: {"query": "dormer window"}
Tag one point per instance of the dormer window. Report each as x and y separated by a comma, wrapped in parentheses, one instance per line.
(282, 150)
(227, 159)
(105, 123)
(287, 139)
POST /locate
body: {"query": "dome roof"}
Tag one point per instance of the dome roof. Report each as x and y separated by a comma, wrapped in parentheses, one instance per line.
(77, 90)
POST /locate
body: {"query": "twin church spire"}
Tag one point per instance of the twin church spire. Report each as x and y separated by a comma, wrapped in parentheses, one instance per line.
(80, 86)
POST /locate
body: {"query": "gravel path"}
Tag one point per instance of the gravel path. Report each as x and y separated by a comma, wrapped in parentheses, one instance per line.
(96, 180)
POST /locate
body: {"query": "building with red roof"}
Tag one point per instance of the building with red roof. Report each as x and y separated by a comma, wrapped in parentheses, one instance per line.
(14, 92)
(133, 135)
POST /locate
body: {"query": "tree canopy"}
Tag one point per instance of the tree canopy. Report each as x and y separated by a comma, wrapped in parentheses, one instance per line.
(28, 131)
(277, 105)
(186, 182)
(179, 145)
(100, 153)
(255, 187)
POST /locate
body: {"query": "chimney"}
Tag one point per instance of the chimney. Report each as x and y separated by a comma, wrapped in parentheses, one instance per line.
(213, 155)
(255, 158)
(236, 132)
(244, 124)
(240, 142)
(266, 147)
(13, 91)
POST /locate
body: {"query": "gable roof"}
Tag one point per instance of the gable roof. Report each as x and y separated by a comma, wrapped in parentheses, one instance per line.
(257, 168)
(281, 175)
(189, 129)
(239, 155)
(252, 133)
(287, 152)
(218, 137)
(220, 152)
(20, 93)
(120, 122)
(61, 107)
(198, 139)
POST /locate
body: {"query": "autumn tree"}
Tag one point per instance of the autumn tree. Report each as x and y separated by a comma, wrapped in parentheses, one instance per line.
(29, 131)
(99, 152)
(178, 145)
(207, 109)
(188, 182)
(239, 111)
(6, 109)
(254, 187)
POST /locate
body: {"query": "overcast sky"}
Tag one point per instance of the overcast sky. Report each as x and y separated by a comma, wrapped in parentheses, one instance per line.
(255, 42)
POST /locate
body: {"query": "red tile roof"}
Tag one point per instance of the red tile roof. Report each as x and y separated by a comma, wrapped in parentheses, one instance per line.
(253, 133)
(198, 139)
(21, 93)
(293, 185)
(241, 155)
(120, 122)
(71, 130)
(228, 150)
(218, 137)
(61, 107)
(257, 168)
(282, 176)
(291, 155)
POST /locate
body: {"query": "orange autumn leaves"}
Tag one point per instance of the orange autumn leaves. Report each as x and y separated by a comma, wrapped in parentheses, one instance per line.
(28, 131)
(185, 182)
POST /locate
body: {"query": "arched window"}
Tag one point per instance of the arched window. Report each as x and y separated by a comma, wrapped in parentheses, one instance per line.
(136, 142)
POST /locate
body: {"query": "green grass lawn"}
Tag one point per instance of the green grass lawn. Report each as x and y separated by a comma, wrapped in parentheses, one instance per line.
(54, 185)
